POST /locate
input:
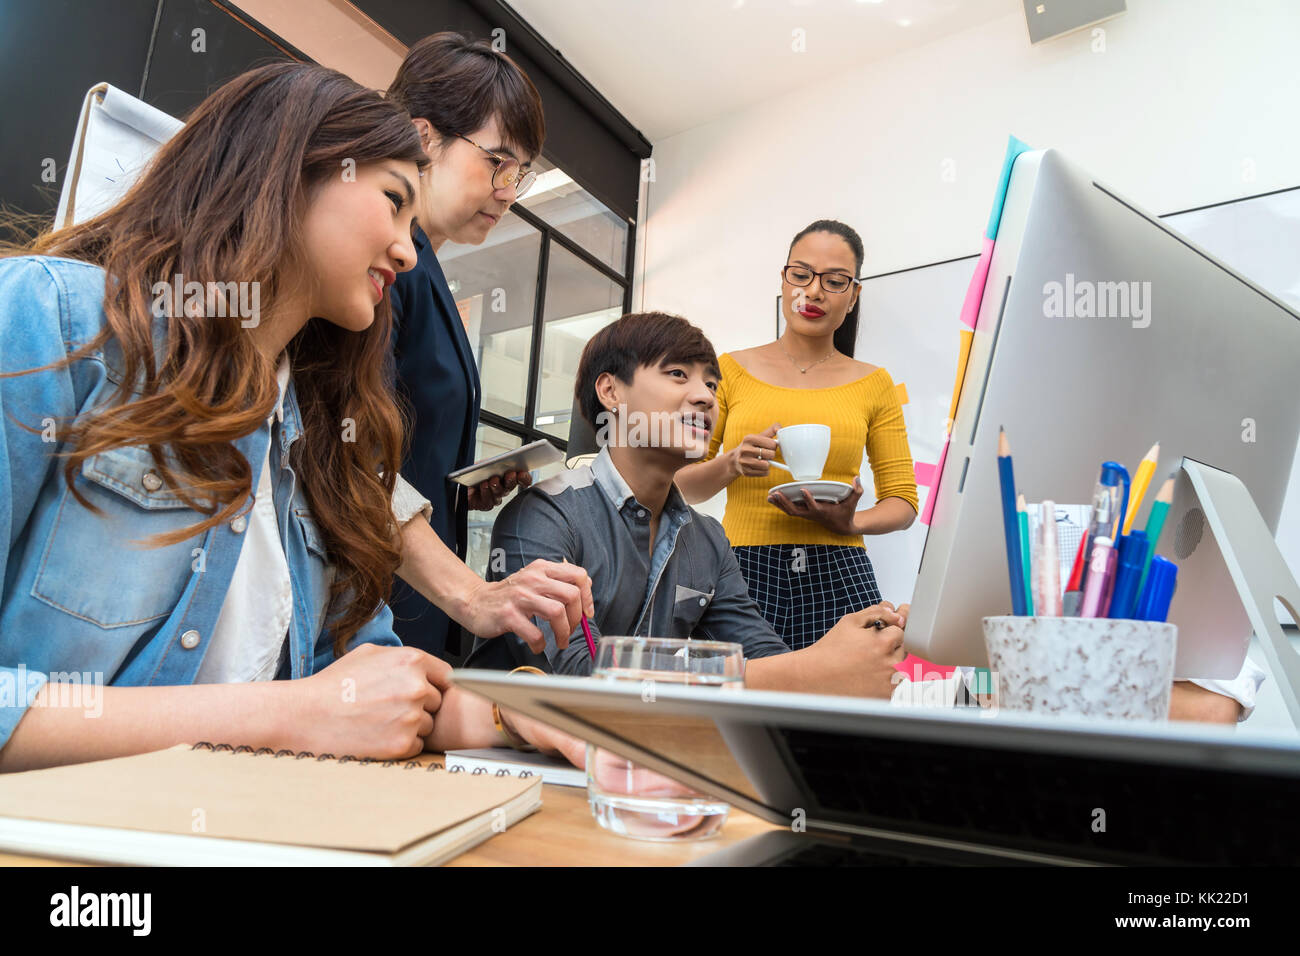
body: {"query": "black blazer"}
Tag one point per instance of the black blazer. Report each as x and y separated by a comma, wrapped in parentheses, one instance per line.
(437, 375)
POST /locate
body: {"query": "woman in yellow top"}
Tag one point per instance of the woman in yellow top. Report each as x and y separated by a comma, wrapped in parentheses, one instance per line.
(804, 560)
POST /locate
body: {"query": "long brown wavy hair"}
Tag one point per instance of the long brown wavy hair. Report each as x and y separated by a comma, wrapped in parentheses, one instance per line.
(224, 201)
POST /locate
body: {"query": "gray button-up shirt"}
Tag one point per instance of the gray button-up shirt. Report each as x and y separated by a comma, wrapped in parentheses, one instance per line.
(689, 585)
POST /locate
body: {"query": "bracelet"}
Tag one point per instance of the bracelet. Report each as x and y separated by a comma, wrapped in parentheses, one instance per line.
(514, 740)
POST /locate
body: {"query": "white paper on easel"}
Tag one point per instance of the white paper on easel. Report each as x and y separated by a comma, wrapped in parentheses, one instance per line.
(117, 135)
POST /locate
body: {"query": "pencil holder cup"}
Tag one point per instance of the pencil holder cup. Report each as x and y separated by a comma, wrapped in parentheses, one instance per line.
(1083, 666)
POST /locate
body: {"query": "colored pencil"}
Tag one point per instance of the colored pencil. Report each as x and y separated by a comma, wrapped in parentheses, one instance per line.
(1156, 524)
(1146, 468)
(1010, 527)
(1026, 553)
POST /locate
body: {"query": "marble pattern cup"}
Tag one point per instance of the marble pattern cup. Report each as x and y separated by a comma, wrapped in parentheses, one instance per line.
(1083, 666)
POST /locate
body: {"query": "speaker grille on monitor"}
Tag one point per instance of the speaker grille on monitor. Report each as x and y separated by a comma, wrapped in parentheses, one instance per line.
(1188, 534)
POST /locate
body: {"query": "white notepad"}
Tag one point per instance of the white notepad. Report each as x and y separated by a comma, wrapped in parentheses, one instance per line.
(505, 762)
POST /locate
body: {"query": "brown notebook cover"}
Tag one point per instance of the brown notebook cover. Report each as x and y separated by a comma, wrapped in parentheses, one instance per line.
(294, 800)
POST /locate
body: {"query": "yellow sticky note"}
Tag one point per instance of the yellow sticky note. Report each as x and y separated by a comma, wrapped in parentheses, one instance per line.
(967, 336)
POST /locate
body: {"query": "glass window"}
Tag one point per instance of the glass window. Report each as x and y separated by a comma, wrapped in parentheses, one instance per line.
(579, 303)
(493, 441)
(578, 214)
(495, 287)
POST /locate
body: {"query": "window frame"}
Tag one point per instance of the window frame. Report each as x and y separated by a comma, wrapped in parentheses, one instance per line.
(527, 430)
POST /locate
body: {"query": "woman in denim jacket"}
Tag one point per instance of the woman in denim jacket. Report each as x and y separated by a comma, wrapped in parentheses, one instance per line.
(199, 445)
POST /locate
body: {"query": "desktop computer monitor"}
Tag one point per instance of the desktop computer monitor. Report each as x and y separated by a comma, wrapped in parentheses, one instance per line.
(1102, 331)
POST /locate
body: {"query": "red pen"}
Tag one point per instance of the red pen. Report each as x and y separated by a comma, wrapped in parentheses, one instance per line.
(1076, 573)
(586, 629)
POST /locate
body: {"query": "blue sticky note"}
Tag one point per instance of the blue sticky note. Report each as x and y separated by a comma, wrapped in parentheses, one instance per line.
(1014, 148)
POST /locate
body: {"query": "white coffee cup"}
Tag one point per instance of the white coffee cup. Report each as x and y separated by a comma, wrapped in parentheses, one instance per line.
(804, 448)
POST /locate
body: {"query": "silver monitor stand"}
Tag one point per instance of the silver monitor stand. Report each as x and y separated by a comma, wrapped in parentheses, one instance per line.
(1256, 565)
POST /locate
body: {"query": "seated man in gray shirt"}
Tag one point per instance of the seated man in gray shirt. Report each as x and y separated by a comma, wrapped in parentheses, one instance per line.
(658, 568)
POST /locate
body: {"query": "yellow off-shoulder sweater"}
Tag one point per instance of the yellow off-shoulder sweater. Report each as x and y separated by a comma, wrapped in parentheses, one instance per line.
(865, 413)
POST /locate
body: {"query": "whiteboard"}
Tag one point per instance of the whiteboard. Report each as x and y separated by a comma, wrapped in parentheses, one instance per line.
(909, 324)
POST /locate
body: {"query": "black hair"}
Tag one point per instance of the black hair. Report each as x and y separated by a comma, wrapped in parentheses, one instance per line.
(459, 84)
(633, 341)
(846, 336)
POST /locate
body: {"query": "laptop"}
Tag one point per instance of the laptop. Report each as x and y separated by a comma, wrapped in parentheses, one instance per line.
(860, 782)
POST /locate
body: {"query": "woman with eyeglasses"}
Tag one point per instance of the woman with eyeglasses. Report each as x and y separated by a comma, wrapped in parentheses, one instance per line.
(480, 122)
(804, 559)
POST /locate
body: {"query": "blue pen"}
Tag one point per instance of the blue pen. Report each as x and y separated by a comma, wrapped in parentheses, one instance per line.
(1132, 555)
(1158, 592)
(1108, 508)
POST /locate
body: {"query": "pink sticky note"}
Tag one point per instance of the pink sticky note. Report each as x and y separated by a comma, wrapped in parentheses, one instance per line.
(918, 668)
(970, 309)
(923, 472)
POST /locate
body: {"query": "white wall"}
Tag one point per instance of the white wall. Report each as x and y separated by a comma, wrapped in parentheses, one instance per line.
(1191, 102)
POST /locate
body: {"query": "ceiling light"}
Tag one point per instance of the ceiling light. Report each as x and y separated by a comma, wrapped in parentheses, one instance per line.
(546, 182)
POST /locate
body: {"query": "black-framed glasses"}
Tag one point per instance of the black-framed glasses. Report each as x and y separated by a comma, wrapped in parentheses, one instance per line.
(507, 171)
(831, 281)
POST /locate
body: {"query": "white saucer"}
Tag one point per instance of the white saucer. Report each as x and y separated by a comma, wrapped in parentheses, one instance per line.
(829, 491)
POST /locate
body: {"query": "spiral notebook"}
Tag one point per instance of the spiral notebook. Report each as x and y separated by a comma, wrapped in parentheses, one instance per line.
(504, 762)
(221, 805)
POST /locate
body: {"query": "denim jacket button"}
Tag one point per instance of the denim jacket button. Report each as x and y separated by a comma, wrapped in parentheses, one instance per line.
(190, 640)
(151, 481)
(239, 524)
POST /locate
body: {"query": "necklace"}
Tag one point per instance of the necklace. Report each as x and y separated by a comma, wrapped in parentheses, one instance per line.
(804, 370)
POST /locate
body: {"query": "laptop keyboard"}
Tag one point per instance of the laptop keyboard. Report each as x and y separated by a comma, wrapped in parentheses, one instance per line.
(1099, 809)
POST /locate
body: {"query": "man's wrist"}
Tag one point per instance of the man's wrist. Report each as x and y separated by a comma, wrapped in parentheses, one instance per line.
(776, 672)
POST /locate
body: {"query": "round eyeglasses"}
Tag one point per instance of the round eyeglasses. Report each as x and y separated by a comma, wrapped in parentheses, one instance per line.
(831, 281)
(507, 172)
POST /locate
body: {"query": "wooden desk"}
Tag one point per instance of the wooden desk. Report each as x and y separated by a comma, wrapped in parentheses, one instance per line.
(562, 833)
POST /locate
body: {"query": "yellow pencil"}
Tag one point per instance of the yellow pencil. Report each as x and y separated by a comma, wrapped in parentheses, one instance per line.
(1141, 480)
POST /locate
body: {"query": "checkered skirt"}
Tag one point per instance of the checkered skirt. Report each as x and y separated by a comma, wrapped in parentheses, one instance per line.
(803, 590)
